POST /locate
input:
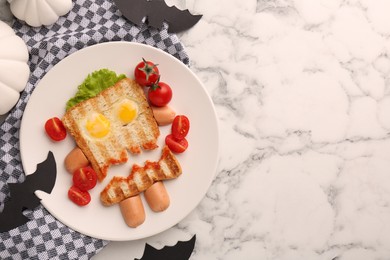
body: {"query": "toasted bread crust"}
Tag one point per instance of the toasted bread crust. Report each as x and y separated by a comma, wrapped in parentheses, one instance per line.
(112, 149)
(141, 178)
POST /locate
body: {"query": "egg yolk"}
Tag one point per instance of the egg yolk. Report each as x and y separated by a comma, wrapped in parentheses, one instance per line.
(127, 111)
(97, 125)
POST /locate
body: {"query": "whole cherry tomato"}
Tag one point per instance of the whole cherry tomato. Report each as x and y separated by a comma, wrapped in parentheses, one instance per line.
(78, 196)
(85, 178)
(146, 73)
(176, 146)
(55, 129)
(160, 94)
(180, 127)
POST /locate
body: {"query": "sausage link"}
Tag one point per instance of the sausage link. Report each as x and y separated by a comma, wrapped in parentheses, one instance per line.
(75, 160)
(157, 197)
(133, 211)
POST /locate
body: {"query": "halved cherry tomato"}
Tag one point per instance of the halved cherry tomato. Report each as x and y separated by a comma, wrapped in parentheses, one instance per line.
(160, 94)
(180, 127)
(78, 196)
(55, 129)
(146, 73)
(176, 146)
(85, 178)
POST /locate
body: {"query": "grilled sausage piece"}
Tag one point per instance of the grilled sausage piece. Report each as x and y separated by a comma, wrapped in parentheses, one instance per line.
(133, 211)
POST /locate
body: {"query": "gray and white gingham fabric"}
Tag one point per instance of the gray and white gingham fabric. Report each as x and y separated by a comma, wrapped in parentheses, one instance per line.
(89, 22)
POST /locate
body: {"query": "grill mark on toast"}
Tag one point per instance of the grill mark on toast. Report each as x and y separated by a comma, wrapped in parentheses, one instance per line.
(149, 132)
(125, 131)
(111, 97)
(97, 146)
(153, 170)
(112, 143)
(132, 142)
(138, 133)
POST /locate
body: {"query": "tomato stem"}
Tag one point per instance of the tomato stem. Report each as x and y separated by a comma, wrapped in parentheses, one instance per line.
(155, 85)
(147, 69)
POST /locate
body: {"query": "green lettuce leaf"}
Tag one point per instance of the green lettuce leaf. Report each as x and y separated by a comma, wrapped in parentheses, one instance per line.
(94, 83)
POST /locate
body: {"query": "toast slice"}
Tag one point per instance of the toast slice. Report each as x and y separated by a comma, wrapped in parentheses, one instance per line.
(112, 147)
(141, 178)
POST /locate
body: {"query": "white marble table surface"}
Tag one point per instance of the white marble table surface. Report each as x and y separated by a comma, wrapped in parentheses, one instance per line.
(302, 93)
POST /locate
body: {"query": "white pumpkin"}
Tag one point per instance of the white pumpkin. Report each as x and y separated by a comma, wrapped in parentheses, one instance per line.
(14, 71)
(39, 12)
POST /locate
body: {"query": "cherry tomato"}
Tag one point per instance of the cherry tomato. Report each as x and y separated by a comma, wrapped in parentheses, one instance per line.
(176, 146)
(55, 129)
(146, 73)
(85, 178)
(160, 94)
(78, 196)
(180, 127)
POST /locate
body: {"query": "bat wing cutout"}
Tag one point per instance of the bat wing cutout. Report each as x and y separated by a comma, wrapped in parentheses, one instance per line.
(181, 251)
(157, 12)
(22, 195)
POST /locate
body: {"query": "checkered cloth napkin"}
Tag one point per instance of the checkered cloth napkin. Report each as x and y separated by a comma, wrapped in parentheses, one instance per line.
(89, 22)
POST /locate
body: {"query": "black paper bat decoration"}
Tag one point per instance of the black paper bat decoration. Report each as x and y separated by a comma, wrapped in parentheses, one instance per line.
(157, 11)
(180, 251)
(22, 194)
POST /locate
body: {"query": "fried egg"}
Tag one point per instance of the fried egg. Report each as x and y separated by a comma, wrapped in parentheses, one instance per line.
(97, 125)
(126, 110)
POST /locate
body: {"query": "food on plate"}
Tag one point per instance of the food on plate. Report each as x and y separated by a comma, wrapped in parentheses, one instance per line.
(180, 127)
(163, 115)
(176, 146)
(95, 82)
(160, 94)
(141, 178)
(78, 196)
(146, 73)
(107, 125)
(176, 141)
(55, 129)
(111, 115)
(84, 178)
(157, 197)
(133, 211)
(75, 160)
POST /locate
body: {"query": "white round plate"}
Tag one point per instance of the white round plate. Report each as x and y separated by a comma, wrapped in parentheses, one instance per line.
(198, 162)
